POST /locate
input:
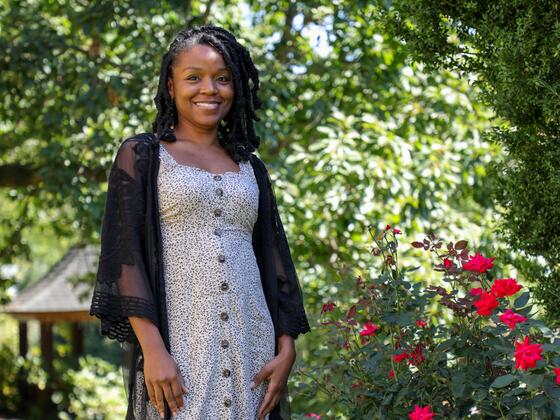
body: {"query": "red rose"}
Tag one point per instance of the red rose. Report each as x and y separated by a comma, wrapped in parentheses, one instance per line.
(421, 324)
(388, 227)
(447, 262)
(416, 357)
(400, 357)
(391, 374)
(505, 287)
(421, 413)
(557, 373)
(476, 291)
(369, 329)
(479, 263)
(510, 318)
(486, 303)
(396, 231)
(527, 354)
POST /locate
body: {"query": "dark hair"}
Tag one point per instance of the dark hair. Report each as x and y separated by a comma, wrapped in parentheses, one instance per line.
(236, 132)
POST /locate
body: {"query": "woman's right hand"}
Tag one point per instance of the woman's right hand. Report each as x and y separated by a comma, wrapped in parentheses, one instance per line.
(164, 380)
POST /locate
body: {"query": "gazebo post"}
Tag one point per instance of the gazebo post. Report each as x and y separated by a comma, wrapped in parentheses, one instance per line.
(47, 344)
(77, 339)
(23, 343)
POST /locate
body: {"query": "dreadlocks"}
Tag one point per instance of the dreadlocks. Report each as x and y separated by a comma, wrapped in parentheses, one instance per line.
(236, 132)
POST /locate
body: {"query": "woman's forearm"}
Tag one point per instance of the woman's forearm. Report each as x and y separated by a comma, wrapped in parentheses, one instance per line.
(148, 335)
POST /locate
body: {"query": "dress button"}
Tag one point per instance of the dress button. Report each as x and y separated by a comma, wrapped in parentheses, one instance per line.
(224, 316)
(219, 192)
(217, 177)
(225, 344)
(226, 373)
(227, 402)
(217, 232)
(221, 257)
(218, 212)
(224, 286)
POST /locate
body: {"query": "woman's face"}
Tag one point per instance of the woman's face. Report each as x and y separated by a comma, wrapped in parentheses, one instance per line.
(201, 86)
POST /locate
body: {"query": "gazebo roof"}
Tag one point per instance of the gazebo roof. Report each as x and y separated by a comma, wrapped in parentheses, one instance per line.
(53, 298)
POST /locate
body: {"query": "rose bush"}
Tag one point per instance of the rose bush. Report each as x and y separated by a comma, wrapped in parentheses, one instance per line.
(472, 349)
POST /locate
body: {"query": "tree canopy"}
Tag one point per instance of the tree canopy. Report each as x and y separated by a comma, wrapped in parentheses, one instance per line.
(513, 49)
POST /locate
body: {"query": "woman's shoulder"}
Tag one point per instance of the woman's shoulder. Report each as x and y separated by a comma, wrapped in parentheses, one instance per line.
(140, 138)
(137, 144)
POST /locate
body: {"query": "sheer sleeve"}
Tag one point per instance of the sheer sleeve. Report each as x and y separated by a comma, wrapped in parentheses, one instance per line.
(122, 288)
(292, 319)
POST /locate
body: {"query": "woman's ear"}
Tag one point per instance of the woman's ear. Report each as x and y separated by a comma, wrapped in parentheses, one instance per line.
(170, 88)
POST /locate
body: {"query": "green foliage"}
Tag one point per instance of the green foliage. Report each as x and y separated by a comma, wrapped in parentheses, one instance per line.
(511, 50)
(97, 391)
(10, 396)
(468, 367)
(91, 390)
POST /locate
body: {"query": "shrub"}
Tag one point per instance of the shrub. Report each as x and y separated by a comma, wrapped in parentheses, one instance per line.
(470, 349)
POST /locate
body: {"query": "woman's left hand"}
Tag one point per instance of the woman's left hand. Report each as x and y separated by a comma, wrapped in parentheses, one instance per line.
(277, 372)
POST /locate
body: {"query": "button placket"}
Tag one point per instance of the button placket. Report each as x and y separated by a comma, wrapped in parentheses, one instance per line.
(224, 286)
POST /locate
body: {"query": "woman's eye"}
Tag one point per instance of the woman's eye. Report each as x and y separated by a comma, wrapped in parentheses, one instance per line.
(221, 78)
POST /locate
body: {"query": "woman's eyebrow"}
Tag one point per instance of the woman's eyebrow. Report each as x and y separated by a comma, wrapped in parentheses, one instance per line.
(200, 68)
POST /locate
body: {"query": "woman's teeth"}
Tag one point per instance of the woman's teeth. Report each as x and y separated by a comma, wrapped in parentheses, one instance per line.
(207, 105)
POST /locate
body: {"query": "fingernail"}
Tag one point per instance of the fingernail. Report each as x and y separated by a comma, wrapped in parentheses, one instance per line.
(252, 385)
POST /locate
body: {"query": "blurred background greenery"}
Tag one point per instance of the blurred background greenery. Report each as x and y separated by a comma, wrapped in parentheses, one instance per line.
(423, 115)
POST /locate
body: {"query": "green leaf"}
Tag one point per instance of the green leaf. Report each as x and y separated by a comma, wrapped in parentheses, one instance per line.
(522, 300)
(445, 345)
(503, 381)
(556, 407)
(540, 325)
(480, 394)
(551, 347)
(533, 381)
(552, 390)
(514, 392)
(540, 401)
(387, 400)
(519, 409)
(503, 348)
(458, 389)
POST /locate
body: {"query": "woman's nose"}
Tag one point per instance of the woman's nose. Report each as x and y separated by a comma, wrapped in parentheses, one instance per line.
(208, 86)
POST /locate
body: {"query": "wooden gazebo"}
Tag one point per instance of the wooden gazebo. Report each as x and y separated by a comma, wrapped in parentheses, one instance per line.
(54, 299)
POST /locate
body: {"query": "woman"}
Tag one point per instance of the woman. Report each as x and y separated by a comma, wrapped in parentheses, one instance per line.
(195, 277)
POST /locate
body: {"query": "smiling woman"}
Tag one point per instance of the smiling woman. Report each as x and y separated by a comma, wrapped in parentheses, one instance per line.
(195, 274)
(207, 95)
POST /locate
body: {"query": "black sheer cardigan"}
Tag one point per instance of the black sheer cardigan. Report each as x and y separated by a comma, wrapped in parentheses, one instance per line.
(129, 278)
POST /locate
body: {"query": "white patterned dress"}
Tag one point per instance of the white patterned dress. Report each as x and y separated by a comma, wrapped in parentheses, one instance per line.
(220, 329)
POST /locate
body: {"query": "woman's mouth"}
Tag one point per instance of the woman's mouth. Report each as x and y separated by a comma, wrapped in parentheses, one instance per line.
(207, 105)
